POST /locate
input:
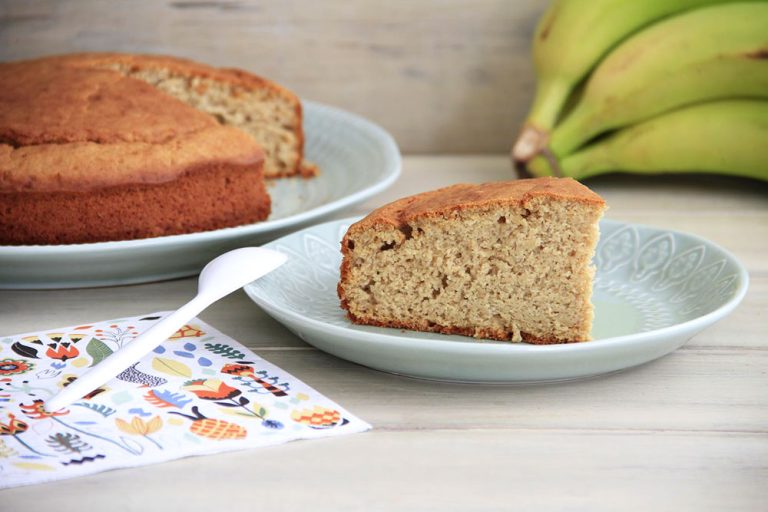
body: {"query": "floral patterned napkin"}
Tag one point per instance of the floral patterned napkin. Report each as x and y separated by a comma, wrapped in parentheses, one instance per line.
(199, 392)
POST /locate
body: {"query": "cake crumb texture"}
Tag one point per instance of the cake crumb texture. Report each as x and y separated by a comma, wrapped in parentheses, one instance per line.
(505, 261)
(267, 111)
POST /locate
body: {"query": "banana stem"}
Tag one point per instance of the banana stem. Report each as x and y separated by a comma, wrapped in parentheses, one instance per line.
(529, 143)
(549, 101)
(575, 130)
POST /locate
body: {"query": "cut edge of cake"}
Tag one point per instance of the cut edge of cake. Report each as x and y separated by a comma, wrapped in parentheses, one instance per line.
(267, 111)
(505, 268)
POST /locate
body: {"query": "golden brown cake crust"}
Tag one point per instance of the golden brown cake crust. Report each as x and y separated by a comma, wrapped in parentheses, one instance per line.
(209, 198)
(462, 196)
(67, 128)
(184, 67)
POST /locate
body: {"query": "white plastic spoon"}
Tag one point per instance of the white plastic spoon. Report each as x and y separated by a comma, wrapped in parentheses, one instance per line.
(222, 276)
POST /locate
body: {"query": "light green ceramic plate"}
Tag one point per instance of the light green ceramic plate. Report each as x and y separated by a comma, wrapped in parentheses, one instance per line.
(654, 290)
(357, 159)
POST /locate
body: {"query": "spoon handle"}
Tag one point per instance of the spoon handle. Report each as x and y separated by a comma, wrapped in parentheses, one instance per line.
(128, 354)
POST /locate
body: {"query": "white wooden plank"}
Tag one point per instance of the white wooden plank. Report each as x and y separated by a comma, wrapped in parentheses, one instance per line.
(689, 390)
(485, 470)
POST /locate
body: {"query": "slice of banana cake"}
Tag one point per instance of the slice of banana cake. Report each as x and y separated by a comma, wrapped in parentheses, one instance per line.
(505, 260)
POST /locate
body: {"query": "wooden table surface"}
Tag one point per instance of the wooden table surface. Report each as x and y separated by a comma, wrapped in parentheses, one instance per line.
(686, 432)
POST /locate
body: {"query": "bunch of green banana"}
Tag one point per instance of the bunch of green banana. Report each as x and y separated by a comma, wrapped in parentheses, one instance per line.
(724, 137)
(659, 79)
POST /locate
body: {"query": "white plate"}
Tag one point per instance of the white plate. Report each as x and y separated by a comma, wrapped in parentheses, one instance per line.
(654, 290)
(357, 159)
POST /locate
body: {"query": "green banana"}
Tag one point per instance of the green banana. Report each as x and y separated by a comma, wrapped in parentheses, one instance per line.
(715, 52)
(570, 39)
(723, 137)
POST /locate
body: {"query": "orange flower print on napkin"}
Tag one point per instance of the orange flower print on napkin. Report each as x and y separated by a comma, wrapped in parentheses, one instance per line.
(15, 366)
(224, 395)
(211, 389)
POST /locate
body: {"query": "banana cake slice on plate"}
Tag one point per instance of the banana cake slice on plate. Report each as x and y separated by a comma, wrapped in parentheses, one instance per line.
(505, 261)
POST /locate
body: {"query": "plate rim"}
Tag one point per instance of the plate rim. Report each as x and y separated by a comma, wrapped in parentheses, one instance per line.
(389, 176)
(693, 325)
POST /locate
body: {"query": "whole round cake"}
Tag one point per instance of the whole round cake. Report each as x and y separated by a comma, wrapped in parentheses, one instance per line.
(98, 147)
